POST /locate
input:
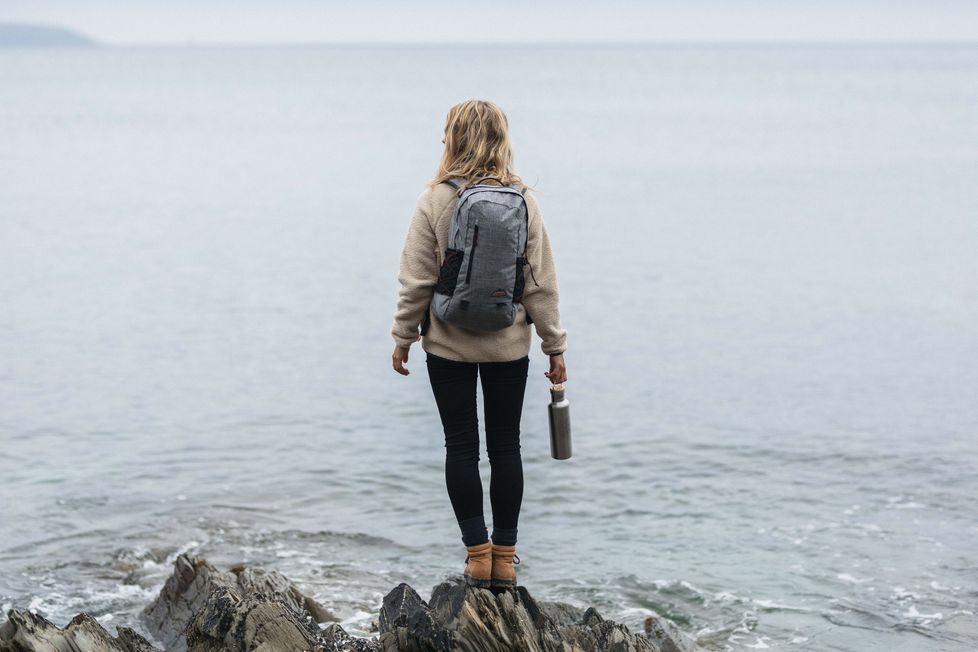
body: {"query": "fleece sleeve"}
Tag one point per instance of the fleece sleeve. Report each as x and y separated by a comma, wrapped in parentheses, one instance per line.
(540, 295)
(418, 274)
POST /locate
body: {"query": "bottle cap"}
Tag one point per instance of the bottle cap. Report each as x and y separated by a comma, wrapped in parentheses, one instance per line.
(557, 391)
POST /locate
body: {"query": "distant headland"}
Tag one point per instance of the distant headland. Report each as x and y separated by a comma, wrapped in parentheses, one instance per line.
(14, 35)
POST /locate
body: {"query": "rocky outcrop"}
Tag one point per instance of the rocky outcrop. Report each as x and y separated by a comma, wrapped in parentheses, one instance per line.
(203, 609)
(477, 620)
(196, 584)
(229, 622)
(24, 631)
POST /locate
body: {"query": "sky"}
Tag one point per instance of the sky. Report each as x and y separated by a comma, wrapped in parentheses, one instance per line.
(155, 22)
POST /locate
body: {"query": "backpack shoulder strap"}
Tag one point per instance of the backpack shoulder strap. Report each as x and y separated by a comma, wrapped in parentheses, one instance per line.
(456, 182)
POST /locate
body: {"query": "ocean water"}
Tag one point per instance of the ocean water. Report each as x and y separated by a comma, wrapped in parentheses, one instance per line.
(768, 260)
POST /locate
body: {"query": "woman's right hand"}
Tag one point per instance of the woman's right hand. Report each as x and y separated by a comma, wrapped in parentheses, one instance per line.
(399, 357)
(558, 370)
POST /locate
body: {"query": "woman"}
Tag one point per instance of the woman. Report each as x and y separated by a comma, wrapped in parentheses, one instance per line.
(477, 149)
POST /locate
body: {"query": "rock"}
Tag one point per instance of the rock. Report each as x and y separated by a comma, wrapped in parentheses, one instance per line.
(668, 637)
(468, 619)
(183, 594)
(409, 619)
(276, 586)
(24, 631)
(194, 581)
(229, 622)
(264, 624)
(335, 639)
(662, 633)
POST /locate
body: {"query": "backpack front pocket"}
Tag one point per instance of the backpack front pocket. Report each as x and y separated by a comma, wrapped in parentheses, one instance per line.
(451, 266)
(475, 241)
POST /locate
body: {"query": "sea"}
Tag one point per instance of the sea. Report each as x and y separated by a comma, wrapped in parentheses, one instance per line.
(767, 258)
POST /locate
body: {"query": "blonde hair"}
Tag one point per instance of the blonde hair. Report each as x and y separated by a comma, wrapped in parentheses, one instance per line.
(477, 145)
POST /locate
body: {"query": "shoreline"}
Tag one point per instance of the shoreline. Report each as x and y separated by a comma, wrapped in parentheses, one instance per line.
(203, 609)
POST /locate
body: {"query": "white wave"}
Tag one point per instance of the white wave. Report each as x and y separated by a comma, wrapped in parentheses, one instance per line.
(913, 614)
(771, 604)
(900, 593)
(726, 597)
(132, 592)
(903, 502)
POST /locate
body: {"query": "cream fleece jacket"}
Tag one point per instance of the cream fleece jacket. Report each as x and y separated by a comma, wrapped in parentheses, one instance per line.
(421, 258)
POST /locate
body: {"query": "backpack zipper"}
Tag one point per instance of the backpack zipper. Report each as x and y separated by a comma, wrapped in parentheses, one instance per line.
(531, 273)
(475, 241)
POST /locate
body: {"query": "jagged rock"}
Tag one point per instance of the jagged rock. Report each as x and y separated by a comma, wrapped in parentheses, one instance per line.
(194, 580)
(24, 631)
(255, 622)
(335, 639)
(668, 637)
(663, 634)
(407, 617)
(561, 613)
(183, 594)
(468, 619)
(278, 587)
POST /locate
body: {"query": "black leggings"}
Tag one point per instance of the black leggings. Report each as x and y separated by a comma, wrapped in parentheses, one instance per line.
(503, 385)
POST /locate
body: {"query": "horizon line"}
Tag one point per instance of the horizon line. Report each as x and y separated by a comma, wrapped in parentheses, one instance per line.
(518, 43)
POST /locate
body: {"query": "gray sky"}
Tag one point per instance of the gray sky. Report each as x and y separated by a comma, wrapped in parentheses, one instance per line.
(426, 21)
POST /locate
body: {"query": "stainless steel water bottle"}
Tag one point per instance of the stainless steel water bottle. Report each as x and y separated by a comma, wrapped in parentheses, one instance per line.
(560, 428)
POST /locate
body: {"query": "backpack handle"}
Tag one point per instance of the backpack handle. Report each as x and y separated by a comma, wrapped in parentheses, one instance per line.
(456, 182)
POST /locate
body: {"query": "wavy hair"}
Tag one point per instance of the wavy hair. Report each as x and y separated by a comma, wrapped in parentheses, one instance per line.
(477, 145)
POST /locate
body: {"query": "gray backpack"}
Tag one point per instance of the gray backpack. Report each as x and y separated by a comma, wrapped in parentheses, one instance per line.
(481, 278)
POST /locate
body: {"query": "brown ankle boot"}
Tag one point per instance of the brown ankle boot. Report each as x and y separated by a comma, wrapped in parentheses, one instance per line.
(503, 559)
(478, 565)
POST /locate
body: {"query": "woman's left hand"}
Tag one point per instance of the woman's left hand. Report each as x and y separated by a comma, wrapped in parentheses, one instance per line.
(558, 370)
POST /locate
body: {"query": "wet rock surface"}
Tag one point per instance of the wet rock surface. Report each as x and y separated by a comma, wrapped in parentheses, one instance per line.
(24, 630)
(203, 609)
(196, 588)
